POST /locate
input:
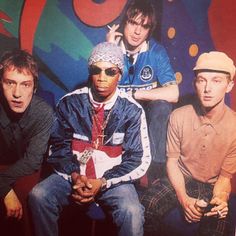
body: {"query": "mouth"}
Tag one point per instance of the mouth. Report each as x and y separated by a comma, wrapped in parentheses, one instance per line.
(207, 98)
(17, 104)
(135, 39)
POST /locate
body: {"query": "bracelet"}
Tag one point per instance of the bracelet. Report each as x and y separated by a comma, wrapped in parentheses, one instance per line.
(133, 93)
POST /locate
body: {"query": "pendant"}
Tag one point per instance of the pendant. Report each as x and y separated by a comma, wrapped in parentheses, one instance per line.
(86, 155)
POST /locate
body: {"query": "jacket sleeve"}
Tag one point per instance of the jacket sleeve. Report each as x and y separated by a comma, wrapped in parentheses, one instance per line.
(61, 156)
(33, 155)
(136, 156)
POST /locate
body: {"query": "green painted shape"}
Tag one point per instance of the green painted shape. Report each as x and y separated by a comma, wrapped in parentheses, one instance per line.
(55, 28)
(13, 9)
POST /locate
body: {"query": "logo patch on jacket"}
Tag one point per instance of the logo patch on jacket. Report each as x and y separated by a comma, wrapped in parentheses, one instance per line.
(146, 73)
(118, 138)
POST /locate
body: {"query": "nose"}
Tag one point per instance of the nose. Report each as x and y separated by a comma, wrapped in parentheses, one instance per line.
(138, 29)
(208, 87)
(102, 76)
(16, 91)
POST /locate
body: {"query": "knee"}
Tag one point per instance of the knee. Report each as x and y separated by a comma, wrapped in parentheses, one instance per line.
(159, 108)
(132, 210)
(37, 195)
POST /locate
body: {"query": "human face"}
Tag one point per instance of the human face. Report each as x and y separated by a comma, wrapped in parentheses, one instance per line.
(103, 85)
(211, 88)
(136, 32)
(18, 89)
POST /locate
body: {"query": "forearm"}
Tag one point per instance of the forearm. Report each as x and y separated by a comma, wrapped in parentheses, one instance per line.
(176, 178)
(168, 93)
(222, 188)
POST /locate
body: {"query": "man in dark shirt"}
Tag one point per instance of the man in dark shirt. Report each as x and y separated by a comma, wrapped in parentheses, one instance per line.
(25, 122)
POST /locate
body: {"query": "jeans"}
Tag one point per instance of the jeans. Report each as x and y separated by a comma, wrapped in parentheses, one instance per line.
(157, 115)
(47, 199)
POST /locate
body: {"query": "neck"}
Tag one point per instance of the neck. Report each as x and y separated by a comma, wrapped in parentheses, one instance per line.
(130, 49)
(212, 112)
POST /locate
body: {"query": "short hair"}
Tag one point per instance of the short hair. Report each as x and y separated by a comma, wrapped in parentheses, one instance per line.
(20, 60)
(143, 7)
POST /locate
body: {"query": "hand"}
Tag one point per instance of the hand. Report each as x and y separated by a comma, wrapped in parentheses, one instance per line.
(96, 185)
(13, 205)
(191, 213)
(82, 189)
(220, 208)
(113, 36)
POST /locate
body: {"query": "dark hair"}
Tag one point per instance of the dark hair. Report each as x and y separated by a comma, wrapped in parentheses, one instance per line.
(143, 7)
(20, 60)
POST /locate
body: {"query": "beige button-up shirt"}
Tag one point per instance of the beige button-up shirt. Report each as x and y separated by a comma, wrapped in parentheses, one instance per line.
(205, 149)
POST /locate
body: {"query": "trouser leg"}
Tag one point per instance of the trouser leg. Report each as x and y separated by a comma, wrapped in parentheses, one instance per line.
(46, 201)
(127, 213)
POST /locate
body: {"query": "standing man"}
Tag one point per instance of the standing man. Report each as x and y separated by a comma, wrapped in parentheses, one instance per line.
(148, 75)
(25, 122)
(201, 152)
(99, 148)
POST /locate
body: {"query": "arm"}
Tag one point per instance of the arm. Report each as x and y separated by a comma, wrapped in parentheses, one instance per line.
(169, 93)
(33, 155)
(136, 156)
(221, 191)
(174, 173)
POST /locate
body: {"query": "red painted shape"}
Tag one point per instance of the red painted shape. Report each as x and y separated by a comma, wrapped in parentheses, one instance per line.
(98, 14)
(5, 17)
(31, 13)
(222, 25)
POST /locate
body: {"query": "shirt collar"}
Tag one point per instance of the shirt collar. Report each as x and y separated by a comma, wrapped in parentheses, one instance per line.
(107, 104)
(217, 123)
(5, 120)
(144, 48)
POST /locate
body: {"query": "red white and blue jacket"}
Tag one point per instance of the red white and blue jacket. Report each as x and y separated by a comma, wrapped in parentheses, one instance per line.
(125, 155)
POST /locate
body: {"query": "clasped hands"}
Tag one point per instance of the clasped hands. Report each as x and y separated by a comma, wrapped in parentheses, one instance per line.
(194, 214)
(84, 189)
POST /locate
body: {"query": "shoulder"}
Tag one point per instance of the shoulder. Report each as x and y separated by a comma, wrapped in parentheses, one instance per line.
(128, 100)
(40, 106)
(73, 97)
(186, 112)
(155, 46)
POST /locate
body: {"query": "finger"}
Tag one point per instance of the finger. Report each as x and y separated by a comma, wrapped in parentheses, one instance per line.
(20, 213)
(84, 192)
(86, 200)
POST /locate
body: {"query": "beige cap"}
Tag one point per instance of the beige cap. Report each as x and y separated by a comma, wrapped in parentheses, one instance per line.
(215, 61)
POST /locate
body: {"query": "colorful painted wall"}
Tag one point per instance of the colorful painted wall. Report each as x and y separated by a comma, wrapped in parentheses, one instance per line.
(61, 34)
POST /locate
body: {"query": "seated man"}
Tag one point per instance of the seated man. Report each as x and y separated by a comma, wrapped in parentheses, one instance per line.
(25, 122)
(148, 75)
(201, 154)
(99, 148)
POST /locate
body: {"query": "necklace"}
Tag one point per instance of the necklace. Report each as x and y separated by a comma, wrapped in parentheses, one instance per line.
(100, 128)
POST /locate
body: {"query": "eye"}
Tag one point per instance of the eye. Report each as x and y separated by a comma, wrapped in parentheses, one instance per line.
(132, 22)
(112, 71)
(147, 26)
(94, 70)
(8, 83)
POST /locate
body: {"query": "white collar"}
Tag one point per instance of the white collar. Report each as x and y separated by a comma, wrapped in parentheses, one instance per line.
(107, 104)
(144, 47)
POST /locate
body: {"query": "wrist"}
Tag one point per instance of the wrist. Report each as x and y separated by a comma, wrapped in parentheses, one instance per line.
(104, 183)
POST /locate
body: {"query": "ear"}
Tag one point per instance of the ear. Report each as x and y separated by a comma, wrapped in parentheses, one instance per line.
(230, 86)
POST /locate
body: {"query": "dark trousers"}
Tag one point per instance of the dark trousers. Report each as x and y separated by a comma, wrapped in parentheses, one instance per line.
(160, 198)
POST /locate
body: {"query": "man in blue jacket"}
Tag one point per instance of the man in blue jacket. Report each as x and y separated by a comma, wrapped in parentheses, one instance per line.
(99, 148)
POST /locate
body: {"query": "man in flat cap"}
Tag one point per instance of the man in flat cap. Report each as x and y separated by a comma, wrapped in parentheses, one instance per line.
(100, 146)
(201, 154)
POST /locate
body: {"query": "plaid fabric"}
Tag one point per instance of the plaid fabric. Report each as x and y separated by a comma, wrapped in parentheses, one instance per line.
(160, 199)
